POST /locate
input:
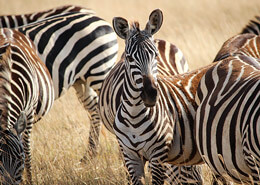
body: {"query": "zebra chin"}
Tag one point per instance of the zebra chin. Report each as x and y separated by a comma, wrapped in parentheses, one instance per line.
(149, 93)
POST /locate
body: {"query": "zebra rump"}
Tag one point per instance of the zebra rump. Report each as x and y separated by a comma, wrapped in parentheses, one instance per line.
(228, 117)
(26, 94)
(11, 149)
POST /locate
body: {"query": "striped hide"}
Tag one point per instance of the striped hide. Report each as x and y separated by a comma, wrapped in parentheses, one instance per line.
(27, 94)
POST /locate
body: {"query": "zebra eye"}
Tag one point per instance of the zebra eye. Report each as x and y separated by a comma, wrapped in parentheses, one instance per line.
(130, 59)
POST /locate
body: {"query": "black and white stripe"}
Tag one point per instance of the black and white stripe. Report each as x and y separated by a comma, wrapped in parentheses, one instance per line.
(228, 118)
(228, 95)
(27, 94)
(154, 121)
(79, 49)
(13, 21)
(184, 175)
(170, 62)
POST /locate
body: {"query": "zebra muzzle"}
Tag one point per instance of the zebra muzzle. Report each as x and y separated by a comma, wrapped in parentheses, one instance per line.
(149, 93)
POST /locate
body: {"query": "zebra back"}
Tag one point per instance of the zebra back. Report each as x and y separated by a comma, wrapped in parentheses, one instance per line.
(252, 27)
(13, 21)
(242, 44)
(239, 42)
(74, 46)
(27, 94)
(171, 60)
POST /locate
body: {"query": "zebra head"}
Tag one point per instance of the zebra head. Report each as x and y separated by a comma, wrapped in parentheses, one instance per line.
(11, 152)
(141, 54)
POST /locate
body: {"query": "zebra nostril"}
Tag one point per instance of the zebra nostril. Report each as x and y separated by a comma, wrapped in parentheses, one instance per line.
(153, 92)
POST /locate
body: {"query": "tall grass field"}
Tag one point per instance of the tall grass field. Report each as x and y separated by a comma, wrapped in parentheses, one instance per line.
(59, 140)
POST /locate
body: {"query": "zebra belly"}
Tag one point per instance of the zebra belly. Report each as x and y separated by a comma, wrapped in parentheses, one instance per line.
(223, 165)
(224, 154)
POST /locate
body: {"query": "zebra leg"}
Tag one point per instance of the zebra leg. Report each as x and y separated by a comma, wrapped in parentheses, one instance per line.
(180, 175)
(89, 98)
(135, 167)
(27, 152)
(158, 171)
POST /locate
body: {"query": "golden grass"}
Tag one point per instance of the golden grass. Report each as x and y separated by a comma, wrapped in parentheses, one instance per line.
(197, 27)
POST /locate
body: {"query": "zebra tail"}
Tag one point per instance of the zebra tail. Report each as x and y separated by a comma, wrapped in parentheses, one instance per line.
(253, 26)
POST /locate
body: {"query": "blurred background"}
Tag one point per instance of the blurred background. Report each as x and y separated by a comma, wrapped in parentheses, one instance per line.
(59, 141)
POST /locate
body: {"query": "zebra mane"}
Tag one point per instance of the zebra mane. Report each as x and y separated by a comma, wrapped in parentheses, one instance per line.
(5, 87)
(135, 26)
(253, 26)
(137, 33)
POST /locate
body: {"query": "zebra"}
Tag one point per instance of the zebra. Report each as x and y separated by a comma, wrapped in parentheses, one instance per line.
(239, 55)
(244, 43)
(79, 49)
(228, 117)
(171, 61)
(12, 148)
(14, 21)
(241, 44)
(154, 119)
(252, 27)
(27, 94)
(183, 175)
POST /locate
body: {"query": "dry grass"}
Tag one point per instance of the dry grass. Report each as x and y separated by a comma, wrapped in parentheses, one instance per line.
(59, 141)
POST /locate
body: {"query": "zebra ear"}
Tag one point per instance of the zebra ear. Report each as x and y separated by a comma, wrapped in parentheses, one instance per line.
(121, 27)
(155, 21)
(21, 123)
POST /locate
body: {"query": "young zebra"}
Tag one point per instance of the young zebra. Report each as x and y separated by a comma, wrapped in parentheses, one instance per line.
(228, 118)
(154, 121)
(14, 21)
(79, 49)
(27, 94)
(170, 62)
